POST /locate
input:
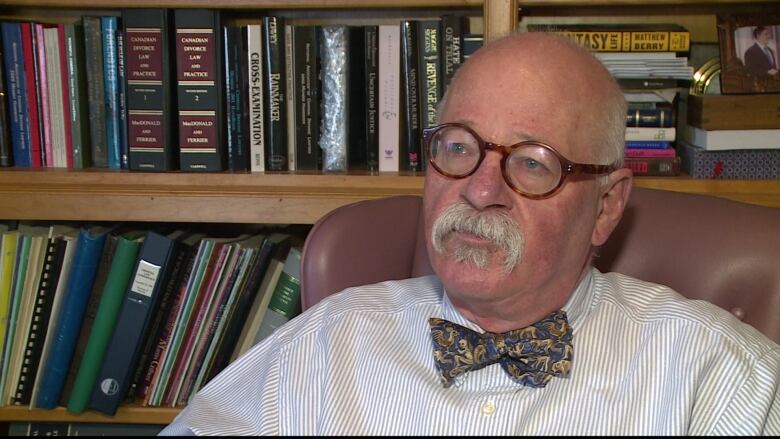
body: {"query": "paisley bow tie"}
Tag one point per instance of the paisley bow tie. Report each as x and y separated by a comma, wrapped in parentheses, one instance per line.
(531, 355)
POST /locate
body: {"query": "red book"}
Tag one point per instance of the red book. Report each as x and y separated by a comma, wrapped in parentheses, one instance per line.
(30, 74)
(646, 153)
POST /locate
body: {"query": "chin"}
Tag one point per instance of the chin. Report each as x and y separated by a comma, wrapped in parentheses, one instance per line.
(467, 276)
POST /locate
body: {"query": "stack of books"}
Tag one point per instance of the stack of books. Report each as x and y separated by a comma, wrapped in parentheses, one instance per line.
(649, 62)
(731, 136)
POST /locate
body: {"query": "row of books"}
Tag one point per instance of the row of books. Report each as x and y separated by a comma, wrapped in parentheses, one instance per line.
(94, 316)
(189, 89)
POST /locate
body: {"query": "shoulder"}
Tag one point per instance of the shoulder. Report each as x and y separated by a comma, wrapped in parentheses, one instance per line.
(659, 307)
(398, 299)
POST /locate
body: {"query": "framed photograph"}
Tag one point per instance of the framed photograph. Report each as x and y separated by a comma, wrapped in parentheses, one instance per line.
(749, 53)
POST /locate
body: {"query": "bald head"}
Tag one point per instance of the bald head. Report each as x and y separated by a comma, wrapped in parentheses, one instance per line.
(556, 81)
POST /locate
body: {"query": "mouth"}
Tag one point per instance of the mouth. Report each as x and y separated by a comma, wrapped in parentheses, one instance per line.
(471, 239)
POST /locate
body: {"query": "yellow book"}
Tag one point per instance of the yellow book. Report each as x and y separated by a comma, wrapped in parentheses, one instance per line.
(7, 260)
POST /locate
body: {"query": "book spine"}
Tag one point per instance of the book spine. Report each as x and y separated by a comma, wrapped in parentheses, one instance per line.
(410, 160)
(54, 82)
(429, 42)
(451, 48)
(651, 133)
(6, 159)
(334, 124)
(356, 89)
(93, 53)
(55, 250)
(274, 94)
(32, 95)
(150, 100)
(650, 117)
(305, 97)
(648, 144)
(285, 301)
(237, 144)
(121, 70)
(65, 97)
(77, 92)
(654, 166)
(200, 90)
(140, 302)
(111, 299)
(13, 60)
(389, 103)
(42, 88)
(647, 152)
(80, 282)
(630, 41)
(254, 36)
(108, 27)
(289, 98)
(371, 45)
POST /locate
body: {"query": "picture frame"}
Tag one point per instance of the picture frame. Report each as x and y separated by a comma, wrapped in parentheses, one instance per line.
(746, 66)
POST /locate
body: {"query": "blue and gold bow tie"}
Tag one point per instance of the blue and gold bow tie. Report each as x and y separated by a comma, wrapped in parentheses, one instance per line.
(531, 355)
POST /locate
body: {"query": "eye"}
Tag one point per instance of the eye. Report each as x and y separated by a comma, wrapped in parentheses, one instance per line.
(456, 148)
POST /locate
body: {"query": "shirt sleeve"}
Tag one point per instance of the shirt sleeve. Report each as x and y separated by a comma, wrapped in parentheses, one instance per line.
(242, 400)
(755, 408)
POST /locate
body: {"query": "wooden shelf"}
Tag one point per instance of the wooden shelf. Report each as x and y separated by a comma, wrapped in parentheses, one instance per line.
(283, 198)
(125, 415)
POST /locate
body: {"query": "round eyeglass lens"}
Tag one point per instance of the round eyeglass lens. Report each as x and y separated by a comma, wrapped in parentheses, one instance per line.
(454, 150)
(533, 169)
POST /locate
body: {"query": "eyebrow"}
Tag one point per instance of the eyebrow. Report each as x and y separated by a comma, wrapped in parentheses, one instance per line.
(522, 136)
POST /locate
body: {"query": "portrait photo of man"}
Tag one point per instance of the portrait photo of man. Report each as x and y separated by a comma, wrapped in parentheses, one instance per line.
(761, 57)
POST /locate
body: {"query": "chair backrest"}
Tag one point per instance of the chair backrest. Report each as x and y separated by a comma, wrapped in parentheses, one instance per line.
(707, 248)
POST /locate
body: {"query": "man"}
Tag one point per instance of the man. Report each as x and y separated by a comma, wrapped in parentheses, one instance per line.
(760, 59)
(486, 346)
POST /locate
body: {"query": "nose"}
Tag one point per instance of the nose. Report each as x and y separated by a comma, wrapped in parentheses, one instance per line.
(486, 187)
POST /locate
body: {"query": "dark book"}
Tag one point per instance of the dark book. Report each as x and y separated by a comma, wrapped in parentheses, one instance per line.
(236, 82)
(200, 91)
(647, 83)
(651, 117)
(121, 70)
(371, 104)
(80, 280)
(410, 99)
(16, 94)
(356, 99)
(305, 94)
(159, 328)
(471, 42)
(653, 166)
(151, 272)
(112, 295)
(451, 47)
(96, 92)
(274, 92)
(88, 320)
(77, 92)
(32, 94)
(429, 76)
(6, 148)
(151, 104)
(42, 155)
(109, 26)
(55, 251)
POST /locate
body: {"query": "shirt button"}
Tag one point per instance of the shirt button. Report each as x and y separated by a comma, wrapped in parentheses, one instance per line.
(488, 408)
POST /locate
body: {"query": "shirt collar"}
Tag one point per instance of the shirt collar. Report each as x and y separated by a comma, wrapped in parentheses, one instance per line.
(576, 307)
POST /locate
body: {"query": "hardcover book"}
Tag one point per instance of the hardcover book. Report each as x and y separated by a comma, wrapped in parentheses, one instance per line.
(305, 94)
(111, 298)
(236, 82)
(274, 92)
(654, 166)
(389, 102)
(371, 46)
(151, 103)
(152, 267)
(200, 91)
(77, 92)
(335, 124)
(83, 270)
(96, 92)
(660, 37)
(451, 47)
(16, 87)
(254, 36)
(109, 26)
(6, 158)
(410, 83)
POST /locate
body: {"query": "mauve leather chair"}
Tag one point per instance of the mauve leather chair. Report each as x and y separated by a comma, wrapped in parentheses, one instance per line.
(708, 248)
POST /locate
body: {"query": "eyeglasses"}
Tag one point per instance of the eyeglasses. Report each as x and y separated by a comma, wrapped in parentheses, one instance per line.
(532, 169)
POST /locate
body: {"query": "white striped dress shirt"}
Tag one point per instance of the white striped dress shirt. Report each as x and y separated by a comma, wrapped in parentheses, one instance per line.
(646, 361)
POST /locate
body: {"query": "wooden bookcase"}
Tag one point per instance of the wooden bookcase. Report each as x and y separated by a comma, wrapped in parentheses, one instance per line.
(281, 198)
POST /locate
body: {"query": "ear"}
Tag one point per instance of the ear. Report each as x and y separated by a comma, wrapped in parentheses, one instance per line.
(613, 201)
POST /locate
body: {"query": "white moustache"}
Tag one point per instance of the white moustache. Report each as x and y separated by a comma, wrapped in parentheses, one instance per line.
(495, 227)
